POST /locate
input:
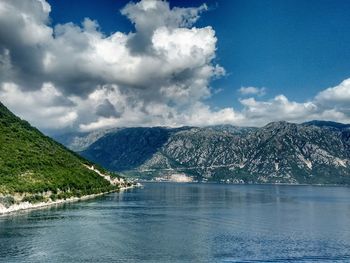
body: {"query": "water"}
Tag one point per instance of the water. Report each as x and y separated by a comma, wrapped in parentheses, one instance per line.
(165, 222)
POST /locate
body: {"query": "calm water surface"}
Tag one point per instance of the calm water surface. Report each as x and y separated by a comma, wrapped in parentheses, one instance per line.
(166, 222)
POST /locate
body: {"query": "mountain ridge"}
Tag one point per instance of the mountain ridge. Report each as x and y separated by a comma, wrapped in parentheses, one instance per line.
(279, 152)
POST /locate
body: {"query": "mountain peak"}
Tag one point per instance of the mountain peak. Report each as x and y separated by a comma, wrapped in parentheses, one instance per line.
(279, 124)
(327, 124)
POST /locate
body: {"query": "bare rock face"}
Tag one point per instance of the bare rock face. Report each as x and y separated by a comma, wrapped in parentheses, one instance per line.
(315, 152)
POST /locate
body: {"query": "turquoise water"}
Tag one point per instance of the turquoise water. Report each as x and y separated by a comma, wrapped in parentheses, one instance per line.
(166, 222)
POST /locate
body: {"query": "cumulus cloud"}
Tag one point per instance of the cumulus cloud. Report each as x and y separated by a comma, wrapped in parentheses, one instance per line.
(46, 107)
(276, 109)
(329, 104)
(106, 109)
(148, 16)
(71, 76)
(336, 100)
(252, 91)
(340, 93)
(151, 75)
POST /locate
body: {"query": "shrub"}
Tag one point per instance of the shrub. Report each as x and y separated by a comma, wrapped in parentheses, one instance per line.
(33, 198)
(7, 201)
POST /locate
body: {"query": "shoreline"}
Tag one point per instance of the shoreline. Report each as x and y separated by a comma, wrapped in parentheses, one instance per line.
(247, 184)
(26, 206)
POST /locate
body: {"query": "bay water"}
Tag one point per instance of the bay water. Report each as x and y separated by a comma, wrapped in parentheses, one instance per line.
(170, 222)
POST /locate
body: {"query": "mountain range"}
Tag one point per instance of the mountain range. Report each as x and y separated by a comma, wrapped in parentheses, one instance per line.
(316, 152)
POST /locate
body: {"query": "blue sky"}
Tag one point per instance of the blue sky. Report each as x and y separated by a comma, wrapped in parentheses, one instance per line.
(88, 65)
(291, 47)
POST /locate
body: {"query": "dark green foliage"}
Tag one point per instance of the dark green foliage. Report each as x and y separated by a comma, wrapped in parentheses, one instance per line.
(34, 199)
(33, 163)
(7, 201)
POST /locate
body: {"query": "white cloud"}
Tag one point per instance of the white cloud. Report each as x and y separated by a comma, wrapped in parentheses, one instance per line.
(252, 91)
(45, 108)
(160, 70)
(149, 15)
(75, 77)
(330, 104)
(337, 94)
(276, 109)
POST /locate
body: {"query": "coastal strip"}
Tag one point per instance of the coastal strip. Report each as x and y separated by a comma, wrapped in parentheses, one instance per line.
(30, 206)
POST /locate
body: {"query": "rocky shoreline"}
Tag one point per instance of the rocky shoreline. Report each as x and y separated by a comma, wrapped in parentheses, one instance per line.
(30, 206)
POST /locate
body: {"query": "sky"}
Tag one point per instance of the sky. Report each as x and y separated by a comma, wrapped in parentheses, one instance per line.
(86, 65)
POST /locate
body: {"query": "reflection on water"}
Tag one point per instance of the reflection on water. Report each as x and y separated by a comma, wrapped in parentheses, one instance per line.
(166, 222)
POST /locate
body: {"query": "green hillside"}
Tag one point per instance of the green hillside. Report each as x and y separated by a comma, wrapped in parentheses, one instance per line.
(31, 162)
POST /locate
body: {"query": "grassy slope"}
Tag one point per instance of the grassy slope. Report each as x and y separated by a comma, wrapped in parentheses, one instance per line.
(31, 162)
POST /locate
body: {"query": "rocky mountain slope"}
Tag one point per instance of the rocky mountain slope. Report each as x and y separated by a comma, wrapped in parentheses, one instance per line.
(281, 152)
(35, 168)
